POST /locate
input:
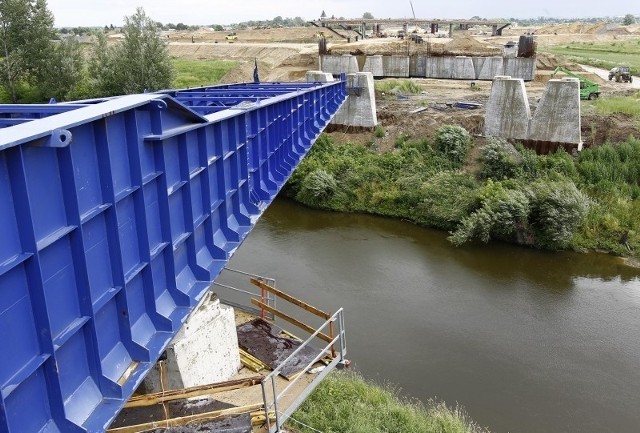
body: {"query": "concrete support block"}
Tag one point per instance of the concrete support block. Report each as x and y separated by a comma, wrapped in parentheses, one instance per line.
(204, 351)
(374, 64)
(557, 117)
(520, 67)
(555, 123)
(439, 67)
(418, 66)
(463, 68)
(318, 77)
(488, 67)
(338, 64)
(360, 107)
(395, 66)
(508, 111)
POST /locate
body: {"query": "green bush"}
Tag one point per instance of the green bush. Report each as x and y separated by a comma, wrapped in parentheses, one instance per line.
(549, 201)
(379, 131)
(447, 198)
(500, 160)
(454, 141)
(317, 187)
(557, 210)
(503, 212)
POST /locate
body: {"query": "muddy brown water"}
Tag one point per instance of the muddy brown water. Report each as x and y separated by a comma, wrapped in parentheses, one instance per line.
(527, 341)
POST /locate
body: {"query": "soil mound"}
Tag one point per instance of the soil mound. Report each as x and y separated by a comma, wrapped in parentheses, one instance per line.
(468, 46)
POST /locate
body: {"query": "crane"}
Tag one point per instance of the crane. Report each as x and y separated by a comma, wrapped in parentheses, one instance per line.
(588, 89)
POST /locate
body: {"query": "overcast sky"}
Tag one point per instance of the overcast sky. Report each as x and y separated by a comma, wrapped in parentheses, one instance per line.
(104, 12)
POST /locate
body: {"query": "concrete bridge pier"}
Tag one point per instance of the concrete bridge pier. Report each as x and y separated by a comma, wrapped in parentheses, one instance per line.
(360, 108)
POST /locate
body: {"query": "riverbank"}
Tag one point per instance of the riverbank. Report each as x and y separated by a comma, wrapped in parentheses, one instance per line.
(345, 402)
(484, 190)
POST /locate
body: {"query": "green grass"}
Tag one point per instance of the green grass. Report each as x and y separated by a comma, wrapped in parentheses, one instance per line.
(195, 73)
(604, 55)
(397, 86)
(346, 403)
(619, 104)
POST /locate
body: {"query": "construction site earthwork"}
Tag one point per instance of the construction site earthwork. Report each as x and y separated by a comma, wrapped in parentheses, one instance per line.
(286, 54)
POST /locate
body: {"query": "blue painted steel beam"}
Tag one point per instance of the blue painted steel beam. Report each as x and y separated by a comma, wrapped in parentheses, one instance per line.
(115, 217)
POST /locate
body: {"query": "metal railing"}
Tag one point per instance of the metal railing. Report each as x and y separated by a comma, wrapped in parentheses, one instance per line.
(265, 296)
(271, 396)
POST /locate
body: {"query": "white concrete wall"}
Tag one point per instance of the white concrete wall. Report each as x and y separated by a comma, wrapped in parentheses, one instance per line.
(395, 66)
(461, 68)
(487, 68)
(338, 64)
(204, 351)
(374, 65)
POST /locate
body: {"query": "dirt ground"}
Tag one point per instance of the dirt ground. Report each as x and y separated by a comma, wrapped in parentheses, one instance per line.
(286, 54)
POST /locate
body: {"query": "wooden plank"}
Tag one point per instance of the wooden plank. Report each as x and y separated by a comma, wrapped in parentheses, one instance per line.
(291, 320)
(175, 422)
(310, 308)
(196, 391)
(252, 362)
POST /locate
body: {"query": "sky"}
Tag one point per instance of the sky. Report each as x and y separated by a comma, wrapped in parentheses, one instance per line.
(71, 13)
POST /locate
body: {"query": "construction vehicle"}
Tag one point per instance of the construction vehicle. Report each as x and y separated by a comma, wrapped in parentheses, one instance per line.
(622, 74)
(588, 89)
(231, 37)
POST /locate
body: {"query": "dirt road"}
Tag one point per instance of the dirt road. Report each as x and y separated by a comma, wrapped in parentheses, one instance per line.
(604, 74)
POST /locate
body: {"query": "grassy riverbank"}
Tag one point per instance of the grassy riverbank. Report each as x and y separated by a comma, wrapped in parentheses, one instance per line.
(485, 191)
(345, 403)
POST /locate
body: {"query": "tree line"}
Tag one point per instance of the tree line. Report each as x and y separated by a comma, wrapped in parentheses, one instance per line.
(36, 65)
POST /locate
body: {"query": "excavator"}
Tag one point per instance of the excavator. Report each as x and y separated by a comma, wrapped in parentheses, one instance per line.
(588, 89)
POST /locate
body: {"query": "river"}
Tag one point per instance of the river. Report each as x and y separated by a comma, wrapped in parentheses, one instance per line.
(527, 341)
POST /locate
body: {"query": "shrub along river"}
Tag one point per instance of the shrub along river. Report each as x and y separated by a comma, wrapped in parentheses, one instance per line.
(527, 341)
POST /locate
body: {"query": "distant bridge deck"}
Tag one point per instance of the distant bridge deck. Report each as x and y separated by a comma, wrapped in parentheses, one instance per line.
(433, 24)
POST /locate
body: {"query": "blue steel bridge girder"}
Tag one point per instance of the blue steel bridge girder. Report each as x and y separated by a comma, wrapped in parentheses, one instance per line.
(115, 217)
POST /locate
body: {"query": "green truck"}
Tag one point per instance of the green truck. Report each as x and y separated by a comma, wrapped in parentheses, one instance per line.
(588, 89)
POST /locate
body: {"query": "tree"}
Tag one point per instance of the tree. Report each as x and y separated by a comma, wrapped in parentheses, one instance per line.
(367, 16)
(628, 20)
(65, 71)
(26, 33)
(141, 62)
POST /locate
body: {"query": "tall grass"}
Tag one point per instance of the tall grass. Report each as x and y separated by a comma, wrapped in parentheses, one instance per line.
(397, 87)
(619, 104)
(195, 73)
(345, 403)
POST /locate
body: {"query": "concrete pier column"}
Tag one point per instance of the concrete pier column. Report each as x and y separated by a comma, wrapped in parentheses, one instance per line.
(557, 117)
(318, 77)
(360, 108)
(508, 111)
(451, 30)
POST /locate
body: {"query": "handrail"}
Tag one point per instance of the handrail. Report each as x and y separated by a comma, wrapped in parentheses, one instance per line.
(340, 337)
(265, 296)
